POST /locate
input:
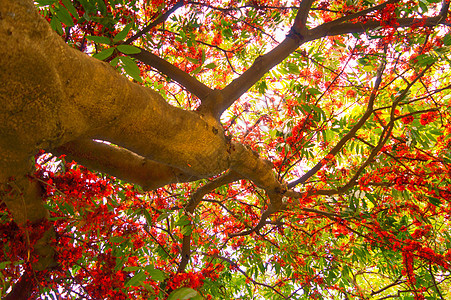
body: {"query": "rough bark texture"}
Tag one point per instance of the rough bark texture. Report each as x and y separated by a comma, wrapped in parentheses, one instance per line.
(59, 99)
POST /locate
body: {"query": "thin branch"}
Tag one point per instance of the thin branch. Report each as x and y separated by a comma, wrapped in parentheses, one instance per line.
(349, 135)
(160, 19)
(239, 86)
(236, 8)
(360, 27)
(386, 133)
(196, 198)
(435, 282)
(193, 85)
(231, 262)
(359, 14)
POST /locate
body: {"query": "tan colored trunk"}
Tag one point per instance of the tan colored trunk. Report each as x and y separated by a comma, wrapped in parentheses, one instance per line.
(52, 94)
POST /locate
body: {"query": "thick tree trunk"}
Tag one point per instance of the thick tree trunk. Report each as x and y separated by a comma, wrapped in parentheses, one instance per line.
(54, 97)
(52, 94)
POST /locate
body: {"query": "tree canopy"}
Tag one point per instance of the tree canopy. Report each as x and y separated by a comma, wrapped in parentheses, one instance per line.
(234, 149)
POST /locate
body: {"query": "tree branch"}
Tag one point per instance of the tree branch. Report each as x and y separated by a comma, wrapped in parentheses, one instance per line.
(299, 24)
(382, 140)
(196, 198)
(193, 85)
(300, 35)
(261, 65)
(122, 163)
(23, 287)
(360, 27)
(247, 163)
(161, 18)
(349, 135)
(358, 14)
(23, 198)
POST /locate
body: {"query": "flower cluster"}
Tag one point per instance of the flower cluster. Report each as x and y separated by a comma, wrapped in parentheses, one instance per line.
(428, 117)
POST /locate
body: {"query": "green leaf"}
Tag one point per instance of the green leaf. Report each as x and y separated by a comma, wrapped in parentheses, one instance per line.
(435, 201)
(102, 7)
(131, 68)
(314, 91)
(45, 2)
(196, 70)
(114, 63)
(117, 239)
(192, 60)
(147, 216)
(292, 68)
(4, 264)
(99, 39)
(182, 221)
(423, 6)
(123, 33)
(64, 16)
(156, 274)
(132, 269)
(425, 59)
(210, 66)
(102, 55)
(70, 7)
(128, 49)
(182, 294)
(186, 230)
(163, 216)
(136, 280)
(447, 39)
(56, 25)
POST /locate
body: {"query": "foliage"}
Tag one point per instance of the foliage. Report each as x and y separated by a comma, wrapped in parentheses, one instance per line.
(371, 221)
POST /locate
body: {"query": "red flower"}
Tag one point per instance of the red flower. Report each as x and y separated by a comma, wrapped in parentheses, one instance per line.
(407, 120)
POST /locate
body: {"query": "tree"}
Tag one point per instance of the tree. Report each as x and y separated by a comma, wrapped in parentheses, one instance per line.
(223, 163)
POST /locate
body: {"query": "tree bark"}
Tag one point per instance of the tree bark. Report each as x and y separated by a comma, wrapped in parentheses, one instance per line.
(55, 97)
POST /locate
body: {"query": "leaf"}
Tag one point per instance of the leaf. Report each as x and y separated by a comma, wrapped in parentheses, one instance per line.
(192, 60)
(163, 216)
(56, 25)
(99, 39)
(435, 201)
(423, 6)
(123, 33)
(136, 280)
(133, 268)
(147, 216)
(114, 63)
(70, 7)
(210, 66)
(156, 274)
(102, 55)
(102, 7)
(182, 221)
(45, 2)
(447, 39)
(128, 49)
(4, 264)
(117, 239)
(64, 16)
(131, 68)
(186, 230)
(196, 70)
(425, 59)
(182, 294)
